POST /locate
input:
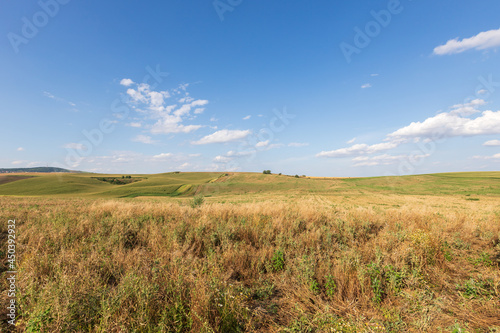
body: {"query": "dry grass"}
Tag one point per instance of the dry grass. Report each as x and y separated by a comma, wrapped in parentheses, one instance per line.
(310, 264)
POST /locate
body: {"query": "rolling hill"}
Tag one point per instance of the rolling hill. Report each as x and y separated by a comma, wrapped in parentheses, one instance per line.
(238, 184)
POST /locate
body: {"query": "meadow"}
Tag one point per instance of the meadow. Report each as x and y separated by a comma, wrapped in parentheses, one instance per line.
(247, 252)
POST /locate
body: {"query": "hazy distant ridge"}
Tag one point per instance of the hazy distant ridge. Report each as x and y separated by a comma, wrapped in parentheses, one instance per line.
(36, 169)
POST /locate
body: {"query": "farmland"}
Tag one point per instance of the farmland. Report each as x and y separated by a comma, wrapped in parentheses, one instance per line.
(248, 252)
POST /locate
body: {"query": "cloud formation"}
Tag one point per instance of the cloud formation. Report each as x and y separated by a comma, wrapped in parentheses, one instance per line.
(298, 144)
(454, 123)
(77, 146)
(492, 143)
(461, 121)
(223, 136)
(168, 117)
(481, 41)
(358, 149)
(143, 139)
(126, 82)
(496, 156)
(384, 159)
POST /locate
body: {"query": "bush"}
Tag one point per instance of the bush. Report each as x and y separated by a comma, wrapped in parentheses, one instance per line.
(197, 201)
(266, 172)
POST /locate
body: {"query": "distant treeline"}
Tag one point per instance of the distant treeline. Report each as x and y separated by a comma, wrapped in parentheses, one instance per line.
(37, 169)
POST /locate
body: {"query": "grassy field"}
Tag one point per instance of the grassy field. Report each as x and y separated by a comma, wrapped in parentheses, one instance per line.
(246, 252)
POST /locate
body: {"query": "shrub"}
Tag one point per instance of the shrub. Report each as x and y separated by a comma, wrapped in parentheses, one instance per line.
(197, 201)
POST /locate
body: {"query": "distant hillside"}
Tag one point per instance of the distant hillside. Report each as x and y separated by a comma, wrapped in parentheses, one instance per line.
(37, 169)
(247, 186)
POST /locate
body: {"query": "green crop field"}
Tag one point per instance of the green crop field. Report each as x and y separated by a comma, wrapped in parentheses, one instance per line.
(180, 183)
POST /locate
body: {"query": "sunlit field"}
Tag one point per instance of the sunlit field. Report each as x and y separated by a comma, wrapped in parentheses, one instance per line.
(243, 252)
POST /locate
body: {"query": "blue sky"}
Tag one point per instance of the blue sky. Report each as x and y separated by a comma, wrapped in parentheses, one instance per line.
(319, 88)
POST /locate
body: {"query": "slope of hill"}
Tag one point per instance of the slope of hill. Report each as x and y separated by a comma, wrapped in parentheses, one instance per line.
(95, 185)
(240, 185)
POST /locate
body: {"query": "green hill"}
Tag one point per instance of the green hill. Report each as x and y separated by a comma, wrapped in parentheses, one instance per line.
(98, 185)
(237, 184)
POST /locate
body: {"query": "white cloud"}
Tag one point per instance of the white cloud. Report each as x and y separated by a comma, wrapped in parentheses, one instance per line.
(119, 161)
(274, 145)
(262, 144)
(162, 156)
(496, 156)
(366, 85)
(136, 95)
(482, 92)
(186, 99)
(172, 124)
(247, 117)
(358, 149)
(457, 122)
(232, 153)
(186, 108)
(168, 118)
(483, 40)
(156, 98)
(492, 143)
(375, 74)
(351, 141)
(467, 109)
(17, 162)
(59, 99)
(384, 159)
(199, 102)
(451, 124)
(134, 124)
(20, 149)
(49, 95)
(126, 82)
(184, 166)
(222, 159)
(77, 146)
(223, 136)
(297, 144)
(143, 139)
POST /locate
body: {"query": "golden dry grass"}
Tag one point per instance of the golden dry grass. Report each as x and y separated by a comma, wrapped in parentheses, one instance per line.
(378, 263)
